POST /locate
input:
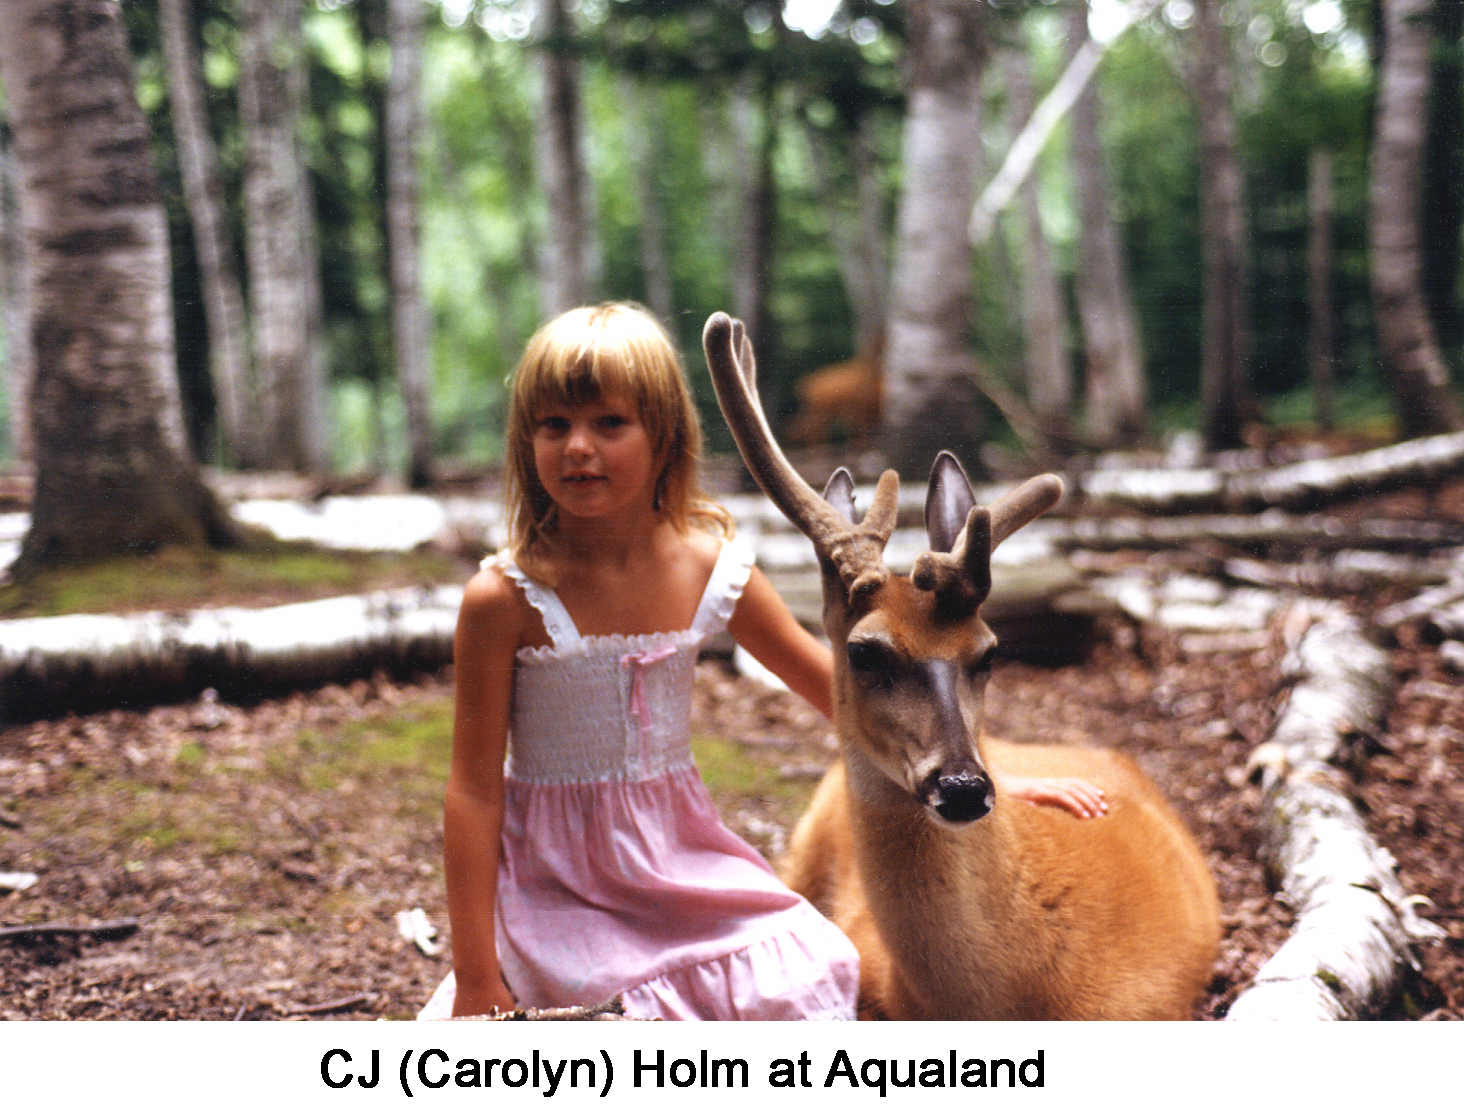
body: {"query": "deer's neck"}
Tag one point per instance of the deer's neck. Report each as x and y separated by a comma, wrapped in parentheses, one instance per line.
(939, 894)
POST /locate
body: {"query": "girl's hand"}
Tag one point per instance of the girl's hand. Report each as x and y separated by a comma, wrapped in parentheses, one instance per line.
(1066, 792)
(485, 1001)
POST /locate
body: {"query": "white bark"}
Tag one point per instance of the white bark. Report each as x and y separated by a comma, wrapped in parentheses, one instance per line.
(1320, 256)
(14, 290)
(646, 119)
(565, 263)
(411, 332)
(1292, 486)
(279, 234)
(113, 469)
(930, 400)
(1407, 343)
(1316, 532)
(1022, 155)
(1226, 340)
(223, 299)
(1355, 925)
(1044, 324)
(52, 663)
(1115, 391)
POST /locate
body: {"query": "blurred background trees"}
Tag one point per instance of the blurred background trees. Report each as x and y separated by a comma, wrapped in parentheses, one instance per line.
(370, 204)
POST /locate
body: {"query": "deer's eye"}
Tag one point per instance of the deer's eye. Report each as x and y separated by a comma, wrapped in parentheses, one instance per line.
(981, 666)
(871, 663)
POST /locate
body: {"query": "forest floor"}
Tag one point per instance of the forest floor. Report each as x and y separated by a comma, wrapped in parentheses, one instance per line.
(255, 858)
(251, 861)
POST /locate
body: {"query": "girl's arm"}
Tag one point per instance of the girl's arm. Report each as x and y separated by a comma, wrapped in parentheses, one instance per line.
(488, 634)
(763, 625)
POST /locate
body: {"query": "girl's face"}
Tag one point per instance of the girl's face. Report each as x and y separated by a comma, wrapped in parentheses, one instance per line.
(595, 459)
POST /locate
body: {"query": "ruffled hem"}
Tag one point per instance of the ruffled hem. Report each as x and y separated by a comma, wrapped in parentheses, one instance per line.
(777, 978)
(786, 976)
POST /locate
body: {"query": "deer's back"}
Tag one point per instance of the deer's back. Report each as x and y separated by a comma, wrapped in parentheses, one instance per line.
(1133, 885)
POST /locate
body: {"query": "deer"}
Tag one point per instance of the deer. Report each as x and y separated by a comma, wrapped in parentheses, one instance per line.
(963, 903)
(841, 396)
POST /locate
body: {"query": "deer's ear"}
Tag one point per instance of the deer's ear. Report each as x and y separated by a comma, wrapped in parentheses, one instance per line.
(947, 502)
(839, 493)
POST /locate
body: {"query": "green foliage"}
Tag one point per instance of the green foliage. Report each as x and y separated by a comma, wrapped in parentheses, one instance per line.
(683, 63)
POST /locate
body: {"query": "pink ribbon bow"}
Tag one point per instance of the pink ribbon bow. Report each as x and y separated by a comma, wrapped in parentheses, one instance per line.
(637, 662)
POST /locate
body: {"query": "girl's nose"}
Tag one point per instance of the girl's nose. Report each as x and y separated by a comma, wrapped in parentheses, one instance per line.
(579, 442)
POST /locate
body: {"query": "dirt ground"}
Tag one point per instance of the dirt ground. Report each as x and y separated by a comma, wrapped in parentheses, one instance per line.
(252, 861)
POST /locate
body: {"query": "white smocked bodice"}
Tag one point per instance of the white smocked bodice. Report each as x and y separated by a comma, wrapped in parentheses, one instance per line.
(610, 707)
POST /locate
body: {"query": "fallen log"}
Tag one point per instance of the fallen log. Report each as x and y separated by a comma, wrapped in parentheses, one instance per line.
(611, 1009)
(1189, 602)
(1421, 604)
(1297, 486)
(114, 930)
(1355, 926)
(1445, 623)
(86, 661)
(1253, 532)
(1041, 609)
(1348, 571)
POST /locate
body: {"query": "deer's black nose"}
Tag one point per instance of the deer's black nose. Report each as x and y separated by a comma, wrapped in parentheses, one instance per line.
(962, 798)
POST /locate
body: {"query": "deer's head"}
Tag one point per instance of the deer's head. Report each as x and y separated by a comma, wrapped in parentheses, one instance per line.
(911, 653)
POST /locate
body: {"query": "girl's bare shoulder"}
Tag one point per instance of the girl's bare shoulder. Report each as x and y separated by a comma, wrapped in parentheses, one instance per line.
(703, 547)
(493, 601)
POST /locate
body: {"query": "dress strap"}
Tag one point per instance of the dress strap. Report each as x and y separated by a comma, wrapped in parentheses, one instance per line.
(557, 622)
(724, 588)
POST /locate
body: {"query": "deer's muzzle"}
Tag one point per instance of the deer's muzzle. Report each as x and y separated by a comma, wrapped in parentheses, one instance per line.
(960, 798)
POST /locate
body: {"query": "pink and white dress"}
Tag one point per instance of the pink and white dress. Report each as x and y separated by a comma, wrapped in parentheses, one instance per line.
(616, 875)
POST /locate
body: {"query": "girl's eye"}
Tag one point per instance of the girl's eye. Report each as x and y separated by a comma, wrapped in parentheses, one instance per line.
(554, 423)
(611, 421)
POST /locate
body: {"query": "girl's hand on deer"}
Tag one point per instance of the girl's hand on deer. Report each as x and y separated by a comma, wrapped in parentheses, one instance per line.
(1068, 793)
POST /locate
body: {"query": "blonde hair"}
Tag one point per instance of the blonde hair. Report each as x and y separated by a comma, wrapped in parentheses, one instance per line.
(585, 355)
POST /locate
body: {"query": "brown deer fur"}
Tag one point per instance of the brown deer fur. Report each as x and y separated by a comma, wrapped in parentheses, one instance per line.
(963, 903)
(844, 396)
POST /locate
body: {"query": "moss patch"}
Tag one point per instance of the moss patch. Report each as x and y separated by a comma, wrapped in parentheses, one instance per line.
(184, 578)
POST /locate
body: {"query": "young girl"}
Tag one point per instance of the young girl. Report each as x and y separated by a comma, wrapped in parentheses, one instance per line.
(596, 864)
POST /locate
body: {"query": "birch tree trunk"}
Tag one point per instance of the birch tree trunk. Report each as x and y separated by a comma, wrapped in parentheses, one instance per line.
(646, 120)
(14, 290)
(565, 263)
(1321, 345)
(1044, 325)
(859, 232)
(410, 332)
(1442, 201)
(279, 232)
(1407, 345)
(1115, 392)
(113, 469)
(755, 123)
(228, 335)
(930, 399)
(1225, 347)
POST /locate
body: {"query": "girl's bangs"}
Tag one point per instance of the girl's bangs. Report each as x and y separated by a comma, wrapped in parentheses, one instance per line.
(589, 376)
